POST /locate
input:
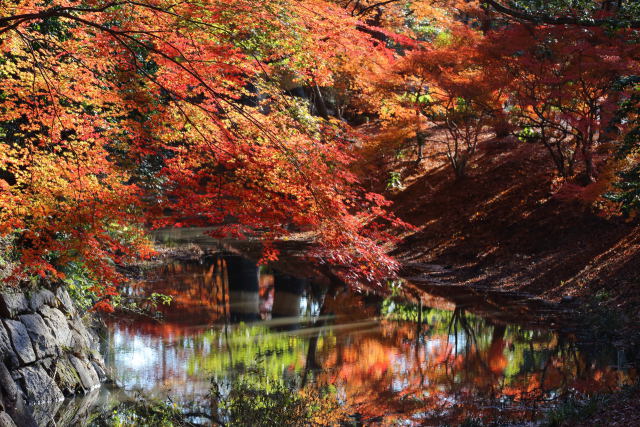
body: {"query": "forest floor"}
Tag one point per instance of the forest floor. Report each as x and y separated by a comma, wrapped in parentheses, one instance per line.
(620, 410)
(505, 227)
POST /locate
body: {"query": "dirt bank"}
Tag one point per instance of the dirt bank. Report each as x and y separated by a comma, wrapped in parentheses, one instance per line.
(505, 226)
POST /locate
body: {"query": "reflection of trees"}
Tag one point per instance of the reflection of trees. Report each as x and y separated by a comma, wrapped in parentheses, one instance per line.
(246, 403)
(454, 365)
(197, 289)
(242, 350)
(200, 294)
(256, 375)
(445, 365)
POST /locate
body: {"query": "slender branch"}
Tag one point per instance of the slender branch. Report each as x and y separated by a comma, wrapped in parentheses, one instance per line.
(554, 20)
(364, 10)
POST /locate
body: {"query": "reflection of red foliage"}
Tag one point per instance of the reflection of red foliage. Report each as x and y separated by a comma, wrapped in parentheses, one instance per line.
(169, 331)
(385, 372)
(199, 298)
(266, 292)
(387, 367)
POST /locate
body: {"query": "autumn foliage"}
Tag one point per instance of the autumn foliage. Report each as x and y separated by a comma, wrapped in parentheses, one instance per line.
(117, 115)
(561, 87)
(244, 116)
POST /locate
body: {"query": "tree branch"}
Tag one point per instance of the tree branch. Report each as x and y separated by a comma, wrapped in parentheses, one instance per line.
(555, 20)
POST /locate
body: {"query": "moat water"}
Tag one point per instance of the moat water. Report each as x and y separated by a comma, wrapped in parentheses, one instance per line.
(375, 360)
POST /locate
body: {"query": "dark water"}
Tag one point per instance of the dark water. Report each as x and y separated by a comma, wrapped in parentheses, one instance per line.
(379, 361)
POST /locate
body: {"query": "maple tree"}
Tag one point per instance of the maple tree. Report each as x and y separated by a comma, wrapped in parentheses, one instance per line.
(547, 72)
(626, 188)
(561, 84)
(439, 95)
(447, 87)
(117, 116)
(120, 114)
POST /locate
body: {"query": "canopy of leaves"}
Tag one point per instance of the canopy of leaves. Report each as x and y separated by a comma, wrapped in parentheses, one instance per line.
(117, 113)
(120, 115)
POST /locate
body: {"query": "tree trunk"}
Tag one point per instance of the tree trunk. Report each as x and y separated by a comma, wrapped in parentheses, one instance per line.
(589, 167)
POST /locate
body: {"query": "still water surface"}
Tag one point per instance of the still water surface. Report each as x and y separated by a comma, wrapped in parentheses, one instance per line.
(381, 361)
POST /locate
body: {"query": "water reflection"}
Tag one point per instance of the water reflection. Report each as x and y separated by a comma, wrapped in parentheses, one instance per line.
(383, 361)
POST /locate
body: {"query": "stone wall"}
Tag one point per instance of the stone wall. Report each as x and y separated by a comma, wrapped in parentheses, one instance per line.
(47, 353)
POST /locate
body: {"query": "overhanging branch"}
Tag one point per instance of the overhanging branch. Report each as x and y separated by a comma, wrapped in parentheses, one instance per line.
(555, 20)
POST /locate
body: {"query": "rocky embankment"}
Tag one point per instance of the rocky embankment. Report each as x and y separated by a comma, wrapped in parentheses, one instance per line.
(47, 353)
